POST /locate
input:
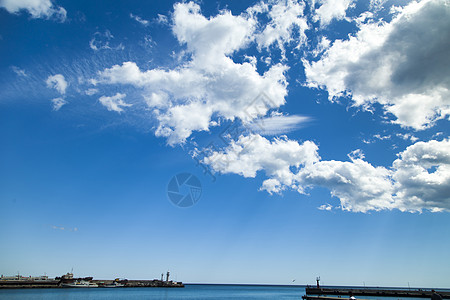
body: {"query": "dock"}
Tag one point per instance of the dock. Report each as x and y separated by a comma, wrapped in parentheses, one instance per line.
(381, 292)
(307, 297)
(68, 281)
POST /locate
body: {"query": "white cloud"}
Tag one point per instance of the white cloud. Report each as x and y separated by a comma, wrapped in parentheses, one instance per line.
(330, 10)
(36, 8)
(376, 5)
(139, 19)
(114, 103)
(356, 154)
(162, 19)
(75, 229)
(210, 84)
(253, 153)
(322, 46)
(327, 207)
(284, 17)
(91, 91)
(101, 41)
(359, 186)
(57, 82)
(19, 71)
(407, 136)
(422, 176)
(403, 65)
(278, 124)
(419, 179)
(382, 137)
(58, 103)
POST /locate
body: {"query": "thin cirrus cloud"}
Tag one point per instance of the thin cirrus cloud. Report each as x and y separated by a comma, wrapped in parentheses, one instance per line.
(19, 72)
(279, 124)
(389, 64)
(139, 19)
(36, 8)
(74, 229)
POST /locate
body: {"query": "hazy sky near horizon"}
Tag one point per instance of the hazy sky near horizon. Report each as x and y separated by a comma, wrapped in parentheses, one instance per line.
(319, 131)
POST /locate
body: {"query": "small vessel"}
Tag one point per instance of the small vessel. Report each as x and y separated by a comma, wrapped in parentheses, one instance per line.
(114, 285)
(79, 284)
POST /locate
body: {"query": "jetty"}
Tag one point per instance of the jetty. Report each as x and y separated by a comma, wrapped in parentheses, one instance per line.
(382, 292)
(307, 297)
(322, 292)
(68, 281)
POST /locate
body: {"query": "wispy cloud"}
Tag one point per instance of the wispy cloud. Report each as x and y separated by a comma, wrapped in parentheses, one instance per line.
(58, 103)
(327, 207)
(114, 103)
(139, 19)
(101, 41)
(279, 124)
(19, 71)
(72, 229)
(162, 19)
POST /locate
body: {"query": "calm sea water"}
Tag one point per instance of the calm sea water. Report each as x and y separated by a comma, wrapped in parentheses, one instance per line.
(197, 292)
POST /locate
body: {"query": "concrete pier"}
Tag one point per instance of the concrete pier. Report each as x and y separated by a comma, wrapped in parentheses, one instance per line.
(410, 293)
(22, 283)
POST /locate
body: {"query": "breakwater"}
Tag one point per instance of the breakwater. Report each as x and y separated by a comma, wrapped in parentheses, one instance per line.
(68, 281)
(401, 293)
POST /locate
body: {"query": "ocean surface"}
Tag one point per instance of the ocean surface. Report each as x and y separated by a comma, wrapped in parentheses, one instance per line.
(191, 291)
(198, 292)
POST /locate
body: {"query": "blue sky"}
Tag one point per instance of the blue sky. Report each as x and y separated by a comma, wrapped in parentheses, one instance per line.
(339, 164)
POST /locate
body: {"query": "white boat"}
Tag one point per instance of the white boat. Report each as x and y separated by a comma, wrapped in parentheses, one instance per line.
(79, 284)
(114, 284)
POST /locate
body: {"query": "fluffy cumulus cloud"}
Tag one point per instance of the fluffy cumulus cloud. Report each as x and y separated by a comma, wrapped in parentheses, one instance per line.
(419, 179)
(359, 186)
(403, 65)
(422, 176)
(284, 17)
(57, 82)
(330, 10)
(211, 84)
(114, 103)
(253, 153)
(36, 8)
